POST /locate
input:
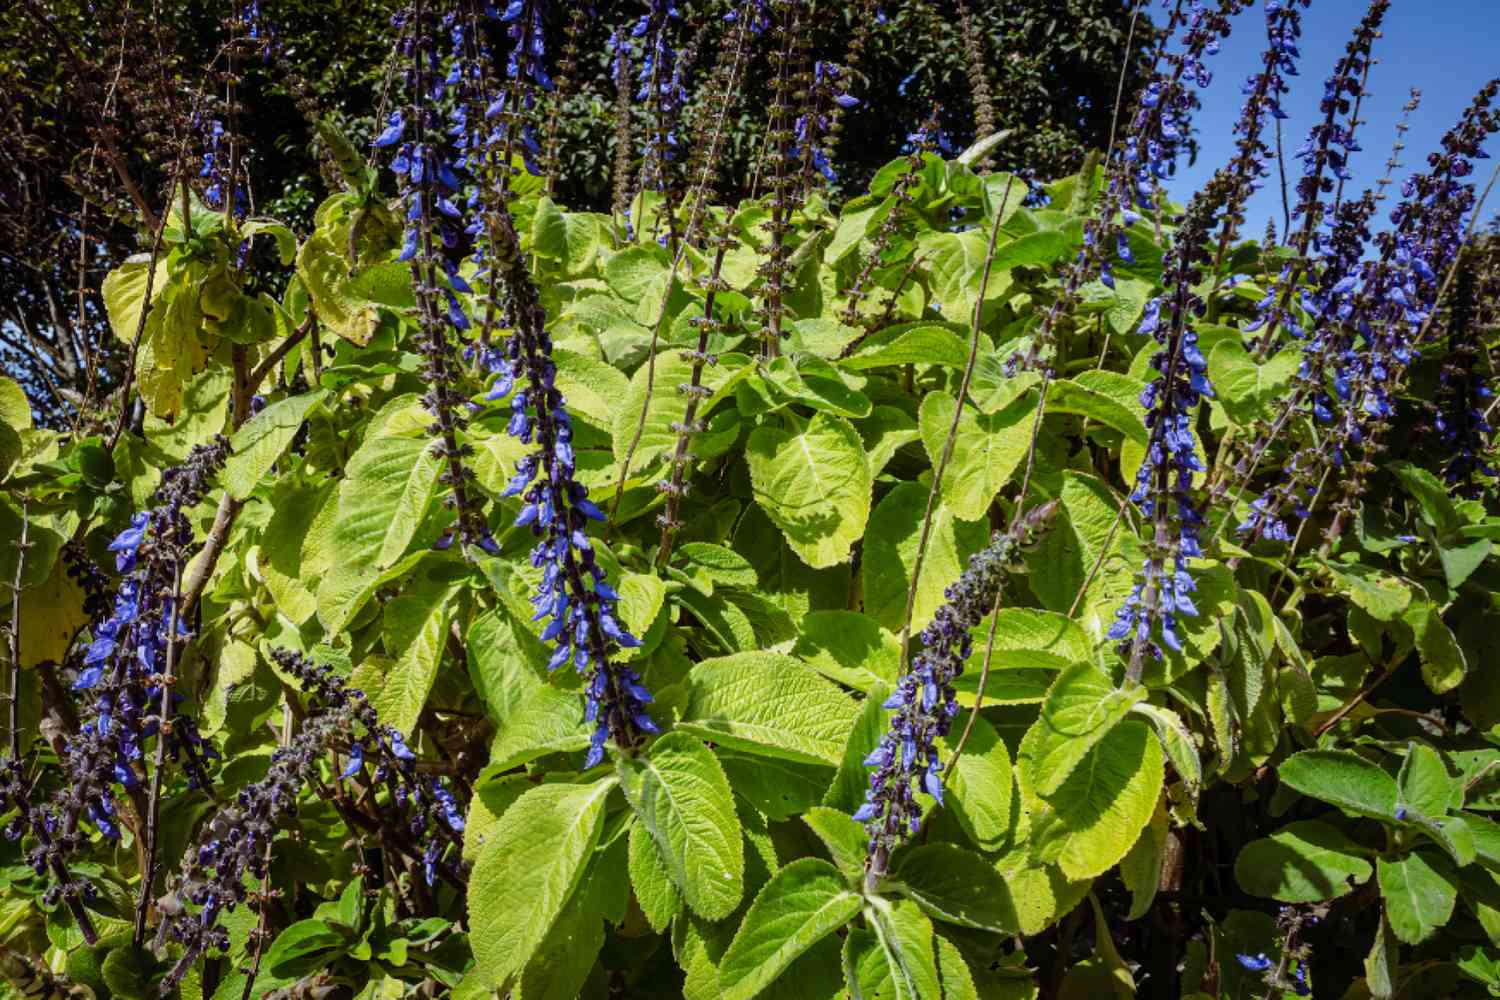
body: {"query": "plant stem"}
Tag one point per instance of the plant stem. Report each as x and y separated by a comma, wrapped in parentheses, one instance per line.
(163, 732)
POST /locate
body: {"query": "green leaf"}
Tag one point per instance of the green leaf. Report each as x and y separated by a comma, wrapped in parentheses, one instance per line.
(957, 887)
(853, 779)
(780, 789)
(415, 630)
(286, 240)
(564, 960)
(1303, 862)
(1443, 662)
(1082, 706)
(867, 974)
(850, 648)
(771, 704)
(803, 903)
(890, 555)
(666, 406)
(300, 948)
(389, 485)
(263, 439)
(654, 891)
(1141, 869)
(815, 486)
(549, 233)
(526, 871)
(546, 720)
(1343, 779)
(15, 408)
(979, 785)
(846, 840)
(682, 798)
(1107, 799)
(1380, 594)
(1244, 387)
(1424, 785)
(910, 343)
(986, 452)
(124, 292)
(1418, 893)
(1105, 397)
(1177, 742)
(906, 938)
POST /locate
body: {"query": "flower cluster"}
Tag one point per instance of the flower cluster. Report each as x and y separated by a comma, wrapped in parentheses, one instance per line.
(660, 87)
(1160, 127)
(431, 182)
(556, 508)
(1164, 488)
(925, 702)
(1459, 414)
(421, 821)
(124, 664)
(1325, 156)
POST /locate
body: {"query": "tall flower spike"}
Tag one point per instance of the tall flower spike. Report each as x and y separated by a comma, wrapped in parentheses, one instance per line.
(421, 821)
(1459, 414)
(777, 158)
(1158, 127)
(429, 171)
(1325, 157)
(573, 594)
(661, 90)
(1164, 489)
(675, 485)
(1400, 290)
(623, 193)
(924, 703)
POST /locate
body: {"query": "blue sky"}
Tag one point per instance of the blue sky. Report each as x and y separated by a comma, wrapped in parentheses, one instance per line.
(1446, 48)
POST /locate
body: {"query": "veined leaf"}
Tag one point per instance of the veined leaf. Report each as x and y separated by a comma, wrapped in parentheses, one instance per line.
(527, 870)
(769, 704)
(654, 891)
(1343, 779)
(986, 452)
(890, 556)
(682, 798)
(814, 485)
(956, 886)
(260, 443)
(1082, 707)
(1107, 799)
(1303, 862)
(415, 629)
(1419, 894)
(803, 903)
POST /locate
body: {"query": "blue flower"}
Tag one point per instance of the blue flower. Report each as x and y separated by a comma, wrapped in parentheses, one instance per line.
(128, 542)
(1255, 963)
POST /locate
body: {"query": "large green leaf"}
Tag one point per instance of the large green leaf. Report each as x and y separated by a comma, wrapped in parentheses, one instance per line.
(658, 897)
(124, 292)
(1082, 706)
(681, 796)
(566, 957)
(1303, 862)
(768, 703)
(814, 485)
(803, 903)
(1343, 779)
(1419, 894)
(389, 485)
(890, 556)
(415, 630)
(906, 939)
(527, 869)
(848, 647)
(260, 443)
(986, 452)
(957, 887)
(1107, 800)
(977, 784)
